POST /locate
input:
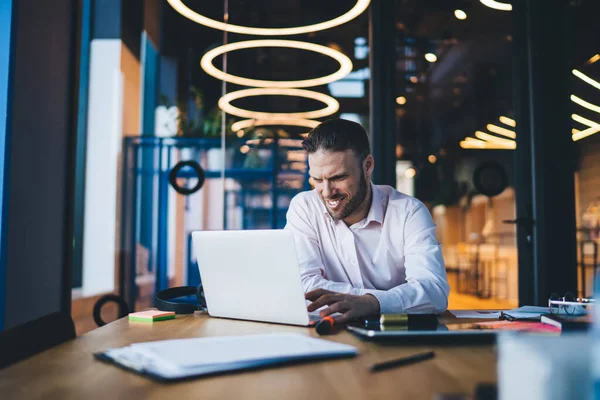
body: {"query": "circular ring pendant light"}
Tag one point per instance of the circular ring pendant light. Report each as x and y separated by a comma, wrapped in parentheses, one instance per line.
(247, 123)
(359, 7)
(332, 104)
(342, 59)
(496, 5)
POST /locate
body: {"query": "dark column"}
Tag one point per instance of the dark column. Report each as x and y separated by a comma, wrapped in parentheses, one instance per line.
(38, 279)
(83, 76)
(545, 152)
(382, 59)
(6, 78)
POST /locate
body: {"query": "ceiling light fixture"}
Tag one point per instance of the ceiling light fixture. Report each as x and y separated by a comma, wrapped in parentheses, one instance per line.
(585, 104)
(414, 79)
(501, 131)
(586, 78)
(401, 100)
(332, 105)
(508, 121)
(431, 57)
(359, 7)
(210, 69)
(460, 14)
(496, 5)
(247, 123)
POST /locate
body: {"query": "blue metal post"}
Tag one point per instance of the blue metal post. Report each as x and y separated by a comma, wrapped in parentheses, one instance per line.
(162, 273)
(7, 41)
(137, 172)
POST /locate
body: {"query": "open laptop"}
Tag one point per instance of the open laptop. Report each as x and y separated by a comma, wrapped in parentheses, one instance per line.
(252, 275)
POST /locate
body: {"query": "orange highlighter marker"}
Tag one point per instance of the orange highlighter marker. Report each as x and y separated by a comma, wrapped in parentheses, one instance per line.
(325, 326)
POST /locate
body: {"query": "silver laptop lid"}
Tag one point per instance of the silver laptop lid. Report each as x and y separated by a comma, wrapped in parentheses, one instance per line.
(252, 275)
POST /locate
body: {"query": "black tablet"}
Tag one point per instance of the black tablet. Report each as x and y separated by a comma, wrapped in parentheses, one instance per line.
(431, 333)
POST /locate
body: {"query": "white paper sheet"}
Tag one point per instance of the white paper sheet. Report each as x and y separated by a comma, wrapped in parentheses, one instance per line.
(173, 359)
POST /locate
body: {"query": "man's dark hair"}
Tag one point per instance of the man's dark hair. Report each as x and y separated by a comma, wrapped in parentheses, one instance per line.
(338, 135)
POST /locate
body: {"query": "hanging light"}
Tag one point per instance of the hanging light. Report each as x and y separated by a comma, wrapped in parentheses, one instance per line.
(593, 59)
(495, 139)
(501, 131)
(585, 133)
(401, 100)
(359, 7)
(460, 14)
(584, 121)
(585, 104)
(586, 79)
(508, 121)
(496, 5)
(332, 105)
(209, 68)
(247, 123)
(431, 57)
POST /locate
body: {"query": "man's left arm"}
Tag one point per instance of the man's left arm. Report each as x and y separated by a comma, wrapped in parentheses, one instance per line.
(426, 289)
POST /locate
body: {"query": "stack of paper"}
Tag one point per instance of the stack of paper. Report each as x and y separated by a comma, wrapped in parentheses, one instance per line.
(184, 358)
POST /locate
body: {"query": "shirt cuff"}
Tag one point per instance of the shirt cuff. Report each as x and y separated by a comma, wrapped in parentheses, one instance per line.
(389, 302)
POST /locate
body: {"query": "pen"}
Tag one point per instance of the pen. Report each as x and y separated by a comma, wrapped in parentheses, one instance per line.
(402, 361)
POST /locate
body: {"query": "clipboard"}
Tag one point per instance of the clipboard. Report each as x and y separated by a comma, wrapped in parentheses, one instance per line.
(175, 360)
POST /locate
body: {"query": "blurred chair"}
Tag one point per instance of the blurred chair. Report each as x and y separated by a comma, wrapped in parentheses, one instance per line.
(588, 258)
(33, 337)
(466, 255)
(487, 256)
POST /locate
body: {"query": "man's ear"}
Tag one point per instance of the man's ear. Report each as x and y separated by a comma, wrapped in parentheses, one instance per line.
(368, 166)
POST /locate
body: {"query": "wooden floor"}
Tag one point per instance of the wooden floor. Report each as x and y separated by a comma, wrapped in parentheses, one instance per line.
(458, 301)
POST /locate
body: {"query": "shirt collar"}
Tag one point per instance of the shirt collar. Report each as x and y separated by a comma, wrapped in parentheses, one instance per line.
(375, 212)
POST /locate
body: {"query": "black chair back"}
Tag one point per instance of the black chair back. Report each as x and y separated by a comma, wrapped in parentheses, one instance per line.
(33, 337)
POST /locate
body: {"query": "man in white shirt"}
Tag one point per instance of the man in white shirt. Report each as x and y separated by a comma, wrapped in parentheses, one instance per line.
(363, 249)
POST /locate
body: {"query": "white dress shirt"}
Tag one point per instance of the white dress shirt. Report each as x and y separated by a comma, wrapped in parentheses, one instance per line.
(392, 254)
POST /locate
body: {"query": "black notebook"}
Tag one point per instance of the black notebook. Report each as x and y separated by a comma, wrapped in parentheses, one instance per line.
(568, 322)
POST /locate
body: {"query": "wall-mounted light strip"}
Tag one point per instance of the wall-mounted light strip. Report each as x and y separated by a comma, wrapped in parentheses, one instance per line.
(496, 5)
(586, 79)
(332, 105)
(508, 121)
(247, 123)
(359, 7)
(501, 131)
(584, 121)
(511, 144)
(343, 60)
(585, 104)
(585, 133)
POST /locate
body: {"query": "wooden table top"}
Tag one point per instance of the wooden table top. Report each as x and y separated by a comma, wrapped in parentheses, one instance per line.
(70, 370)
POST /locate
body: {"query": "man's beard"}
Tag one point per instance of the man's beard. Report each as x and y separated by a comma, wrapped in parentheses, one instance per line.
(353, 203)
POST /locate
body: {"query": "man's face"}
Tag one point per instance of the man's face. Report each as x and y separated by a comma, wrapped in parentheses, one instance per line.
(340, 181)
